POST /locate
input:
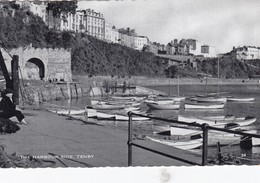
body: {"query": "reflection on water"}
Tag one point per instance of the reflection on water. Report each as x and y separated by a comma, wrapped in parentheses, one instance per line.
(231, 108)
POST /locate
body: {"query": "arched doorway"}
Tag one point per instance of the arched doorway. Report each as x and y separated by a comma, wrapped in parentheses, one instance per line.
(35, 69)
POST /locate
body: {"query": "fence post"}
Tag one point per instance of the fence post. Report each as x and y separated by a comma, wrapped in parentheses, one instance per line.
(130, 138)
(205, 144)
(15, 78)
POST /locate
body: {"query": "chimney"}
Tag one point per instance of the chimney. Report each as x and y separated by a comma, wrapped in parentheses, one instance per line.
(175, 41)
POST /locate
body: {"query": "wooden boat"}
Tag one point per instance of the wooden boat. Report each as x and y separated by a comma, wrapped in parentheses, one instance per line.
(169, 101)
(223, 139)
(222, 117)
(245, 121)
(131, 98)
(212, 99)
(69, 112)
(119, 117)
(183, 130)
(240, 99)
(188, 131)
(255, 141)
(158, 106)
(107, 107)
(212, 94)
(93, 113)
(226, 138)
(178, 99)
(203, 106)
(181, 144)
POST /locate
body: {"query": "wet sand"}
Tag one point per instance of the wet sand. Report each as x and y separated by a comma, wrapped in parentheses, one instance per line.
(98, 146)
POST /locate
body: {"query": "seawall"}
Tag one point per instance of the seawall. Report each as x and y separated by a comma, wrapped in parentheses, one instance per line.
(34, 95)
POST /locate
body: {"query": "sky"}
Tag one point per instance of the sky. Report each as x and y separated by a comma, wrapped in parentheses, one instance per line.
(218, 23)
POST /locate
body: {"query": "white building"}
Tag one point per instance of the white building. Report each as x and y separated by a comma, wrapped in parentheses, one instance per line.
(247, 52)
(208, 51)
(94, 23)
(108, 31)
(73, 22)
(140, 42)
(194, 46)
(114, 35)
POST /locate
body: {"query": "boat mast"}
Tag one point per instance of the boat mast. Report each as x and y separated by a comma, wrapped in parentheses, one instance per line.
(169, 83)
(207, 83)
(178, 87)
(218, 76)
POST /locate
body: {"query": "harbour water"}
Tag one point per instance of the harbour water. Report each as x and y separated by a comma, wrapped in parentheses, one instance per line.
(251, 155)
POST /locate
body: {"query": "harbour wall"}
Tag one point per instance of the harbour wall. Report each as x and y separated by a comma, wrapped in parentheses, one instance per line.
(35, 95)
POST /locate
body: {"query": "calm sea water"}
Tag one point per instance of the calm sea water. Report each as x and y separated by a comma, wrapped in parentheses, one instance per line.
(232, 108)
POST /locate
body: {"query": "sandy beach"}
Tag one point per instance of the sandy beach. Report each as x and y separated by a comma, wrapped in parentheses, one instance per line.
(98, 146)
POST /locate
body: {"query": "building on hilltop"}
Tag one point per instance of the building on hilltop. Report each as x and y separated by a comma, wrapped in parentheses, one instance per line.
(114, 35)
(208, 51)
(194, 46)
(73, 22)
(108, 31)
(127, 37)
(189, 47)
(140, 42)
(94, 23)
(156, 48)
(246, 53)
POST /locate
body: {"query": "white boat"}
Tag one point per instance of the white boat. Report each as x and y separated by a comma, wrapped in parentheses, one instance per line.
(222, 117)
(226, 138)
(181, 144)
(107, 107)
(119, 117)
(169, 101)
(69, 112)
(255, 141)
(212, 99)
(223, 139)
(159, 106)
(181, 130)
(188, 131)
(203, 106)
(178, 99)
(133, 98)
(218, 123)
(240, 99)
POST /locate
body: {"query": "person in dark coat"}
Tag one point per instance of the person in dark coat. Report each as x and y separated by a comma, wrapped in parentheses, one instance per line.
(8, 109)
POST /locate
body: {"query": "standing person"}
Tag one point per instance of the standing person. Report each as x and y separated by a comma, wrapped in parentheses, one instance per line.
(8, 109)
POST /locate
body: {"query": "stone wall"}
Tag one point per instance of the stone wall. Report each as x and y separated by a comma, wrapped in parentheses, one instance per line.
(56, 62)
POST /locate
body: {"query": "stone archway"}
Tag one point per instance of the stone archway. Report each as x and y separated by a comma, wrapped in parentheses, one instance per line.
(35, 69)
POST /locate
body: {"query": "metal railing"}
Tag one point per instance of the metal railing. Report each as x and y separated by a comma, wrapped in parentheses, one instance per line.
(204, 127)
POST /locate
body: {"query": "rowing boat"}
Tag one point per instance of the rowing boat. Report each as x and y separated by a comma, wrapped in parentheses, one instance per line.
(244, 121)
(240, 99)
(159, 106)
(68, 112)
(181, 144)
(212, 99)
(203, 106)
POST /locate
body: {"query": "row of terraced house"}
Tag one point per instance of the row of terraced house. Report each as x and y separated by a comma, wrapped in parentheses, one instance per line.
(94, 24)
(87, 21)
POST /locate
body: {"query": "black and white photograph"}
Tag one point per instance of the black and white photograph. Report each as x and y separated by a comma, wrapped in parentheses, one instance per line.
(130, 83)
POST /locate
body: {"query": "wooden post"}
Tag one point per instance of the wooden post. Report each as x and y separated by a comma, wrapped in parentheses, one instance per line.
(130, 140)
(69, 90)
(205, 144)
(15, 79)
(5, 72)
